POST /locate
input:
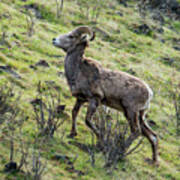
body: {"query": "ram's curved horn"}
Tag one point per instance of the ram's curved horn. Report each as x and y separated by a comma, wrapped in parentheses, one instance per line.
(84, 30)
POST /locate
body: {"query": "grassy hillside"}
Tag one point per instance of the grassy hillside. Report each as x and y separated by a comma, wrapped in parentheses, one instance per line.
(151, 57)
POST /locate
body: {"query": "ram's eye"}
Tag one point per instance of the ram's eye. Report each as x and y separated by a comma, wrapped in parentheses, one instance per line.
(71, 37)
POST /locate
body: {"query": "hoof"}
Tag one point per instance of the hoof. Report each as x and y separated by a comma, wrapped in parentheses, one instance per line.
(152, 162)
(155, 162)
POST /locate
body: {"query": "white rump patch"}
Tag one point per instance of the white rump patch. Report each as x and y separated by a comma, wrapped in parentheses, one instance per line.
(147, 104)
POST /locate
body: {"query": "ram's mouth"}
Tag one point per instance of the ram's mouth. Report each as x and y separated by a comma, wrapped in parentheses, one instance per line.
(55, 43)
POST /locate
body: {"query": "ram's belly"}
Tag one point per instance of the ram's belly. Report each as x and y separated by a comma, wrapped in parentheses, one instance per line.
(113, 103)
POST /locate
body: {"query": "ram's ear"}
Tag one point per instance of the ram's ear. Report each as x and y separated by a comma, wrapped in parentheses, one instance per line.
(84, 38)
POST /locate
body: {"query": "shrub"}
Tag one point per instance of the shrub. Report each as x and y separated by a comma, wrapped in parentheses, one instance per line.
(115, 140)
(48, 111)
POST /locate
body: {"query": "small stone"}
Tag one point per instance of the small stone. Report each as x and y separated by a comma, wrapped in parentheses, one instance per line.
(42, 63)
(176, 48)
(60, 74)
(36, 101)
(33, 67)
(160, 30)
(168, 60)
(162, 40)
(131, 71)
(143, 29)
(34, 7)
(119, 13)
(61, 108)
(11, 166)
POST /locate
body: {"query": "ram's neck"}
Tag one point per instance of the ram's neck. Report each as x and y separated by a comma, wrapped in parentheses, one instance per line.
(72, 63)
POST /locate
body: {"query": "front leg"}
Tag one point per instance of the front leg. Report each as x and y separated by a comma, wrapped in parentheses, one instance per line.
(75, 111)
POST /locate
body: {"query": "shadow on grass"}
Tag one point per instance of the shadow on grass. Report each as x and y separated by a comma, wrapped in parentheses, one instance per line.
(84, 147)
(14, 174)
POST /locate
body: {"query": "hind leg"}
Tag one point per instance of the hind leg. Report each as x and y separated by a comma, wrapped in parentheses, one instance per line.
(133, 120)
(150, 135)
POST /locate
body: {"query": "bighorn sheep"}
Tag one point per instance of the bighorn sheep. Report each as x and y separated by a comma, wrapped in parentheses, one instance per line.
(90, 82)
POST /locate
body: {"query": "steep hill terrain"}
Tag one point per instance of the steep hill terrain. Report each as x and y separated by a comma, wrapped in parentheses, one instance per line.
(127, 39)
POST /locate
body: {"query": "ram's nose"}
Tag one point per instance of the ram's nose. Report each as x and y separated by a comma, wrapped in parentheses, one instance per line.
(53, 40)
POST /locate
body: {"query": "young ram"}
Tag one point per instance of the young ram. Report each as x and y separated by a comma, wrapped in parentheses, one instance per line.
(90, 82)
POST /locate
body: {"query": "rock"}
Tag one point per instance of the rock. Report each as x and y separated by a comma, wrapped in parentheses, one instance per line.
(53, 85)
(50, 82)
(162, 40)
(177, 48)
(131, 71)
(33, 67)
(123, 2)
(6, 15)
(34, 7)
(174, 5)
(171, 27)
(158, 17)
(11, 166)
(79, 172)
(36, 101)
(60, 74)
(61, 108)
(119, 13)
(15, 35)
(124, 169)
(170, 8)
(143, 29)
(13, 43)
(160, 30)
(42, 63)
(168, 61)
(176, 41)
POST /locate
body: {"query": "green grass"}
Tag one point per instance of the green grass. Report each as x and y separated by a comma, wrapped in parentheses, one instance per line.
(123, 50)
